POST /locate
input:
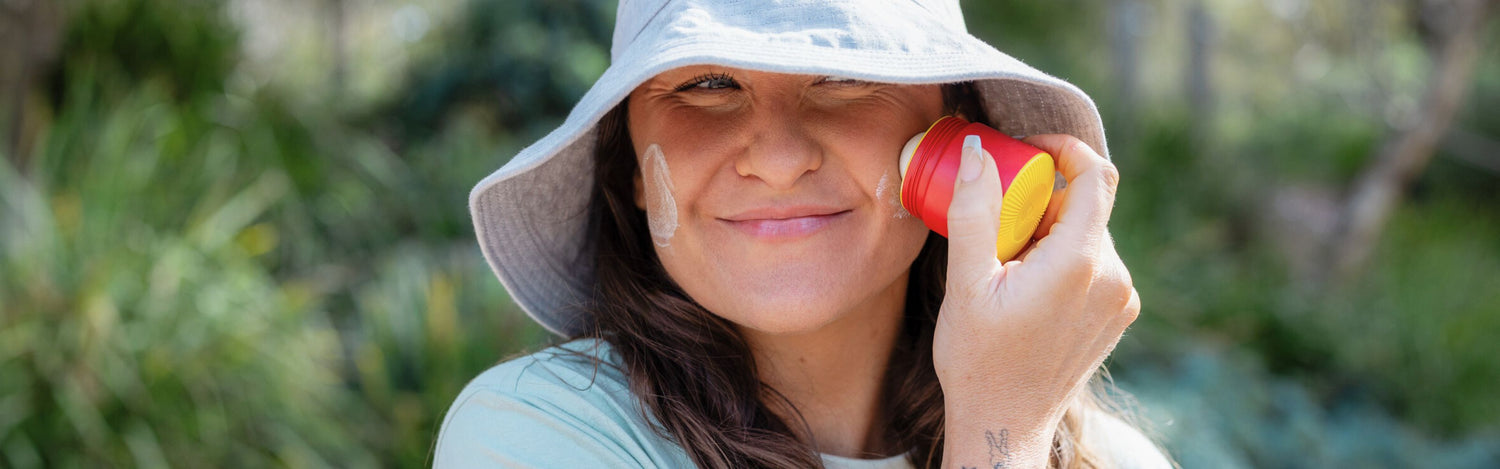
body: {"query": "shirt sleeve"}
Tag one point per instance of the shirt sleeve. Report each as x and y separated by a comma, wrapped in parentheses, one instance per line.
(489, 428)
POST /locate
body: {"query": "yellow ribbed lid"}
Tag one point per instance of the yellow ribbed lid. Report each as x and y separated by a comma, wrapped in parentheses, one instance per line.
(1023, 204)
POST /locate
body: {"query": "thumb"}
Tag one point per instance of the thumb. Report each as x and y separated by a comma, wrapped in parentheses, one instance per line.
(973, 217)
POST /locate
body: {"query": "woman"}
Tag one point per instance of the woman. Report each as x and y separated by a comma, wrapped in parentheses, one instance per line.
(717, 227)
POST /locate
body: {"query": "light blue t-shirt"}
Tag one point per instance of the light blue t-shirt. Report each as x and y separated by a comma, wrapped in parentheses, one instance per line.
(556, 409)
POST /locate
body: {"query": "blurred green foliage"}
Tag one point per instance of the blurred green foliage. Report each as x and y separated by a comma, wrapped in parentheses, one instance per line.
(521, 65)
(201, 276)
(1206, 261)
(117, 45)
(200, 270)
(140, 325)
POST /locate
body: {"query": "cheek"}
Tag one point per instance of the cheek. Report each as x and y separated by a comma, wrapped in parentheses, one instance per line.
(872, 159)
(903, 232)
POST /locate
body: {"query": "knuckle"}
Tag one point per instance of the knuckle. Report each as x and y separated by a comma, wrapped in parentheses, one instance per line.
(1119, 283)
(1114, 290)
(1111, 177)
(1117, 266)
(1121, 295)
(1115, 272)
(1077, 147)
(1132, 309)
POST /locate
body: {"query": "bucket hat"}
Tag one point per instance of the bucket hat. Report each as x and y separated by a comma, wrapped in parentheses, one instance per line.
(530, 214)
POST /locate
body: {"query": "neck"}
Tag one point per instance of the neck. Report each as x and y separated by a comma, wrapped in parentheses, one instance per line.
(834, 375)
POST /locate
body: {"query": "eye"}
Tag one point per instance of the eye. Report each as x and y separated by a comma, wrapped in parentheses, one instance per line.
(709, 81)
(841, 81)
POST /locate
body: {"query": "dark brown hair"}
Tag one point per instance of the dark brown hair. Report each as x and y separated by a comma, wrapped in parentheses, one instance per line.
(694, 373)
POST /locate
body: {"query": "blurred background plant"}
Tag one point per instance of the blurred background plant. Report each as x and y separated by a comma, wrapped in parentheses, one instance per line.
(234, 231)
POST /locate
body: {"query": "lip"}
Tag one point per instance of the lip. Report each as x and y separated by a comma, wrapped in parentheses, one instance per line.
(784, 223)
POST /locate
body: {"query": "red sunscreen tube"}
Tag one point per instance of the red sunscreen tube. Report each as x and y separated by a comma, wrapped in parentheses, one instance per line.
(929, 166)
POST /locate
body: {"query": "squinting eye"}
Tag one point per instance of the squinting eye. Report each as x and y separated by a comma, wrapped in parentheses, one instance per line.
(710, 81)
(841, 81)
(716, 83)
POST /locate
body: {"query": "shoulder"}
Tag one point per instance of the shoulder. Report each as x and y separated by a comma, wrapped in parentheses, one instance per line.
(1122, 445)
(565, 406)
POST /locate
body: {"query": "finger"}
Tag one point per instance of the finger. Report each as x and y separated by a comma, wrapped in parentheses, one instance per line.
(1082, 216)
(973, 216)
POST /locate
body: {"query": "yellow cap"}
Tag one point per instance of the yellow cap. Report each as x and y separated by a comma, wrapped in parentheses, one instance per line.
(1023, 204)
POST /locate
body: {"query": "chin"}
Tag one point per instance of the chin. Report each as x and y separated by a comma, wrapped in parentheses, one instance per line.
(783, 307)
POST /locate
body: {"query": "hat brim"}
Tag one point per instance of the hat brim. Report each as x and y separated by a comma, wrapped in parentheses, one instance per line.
(530, 215)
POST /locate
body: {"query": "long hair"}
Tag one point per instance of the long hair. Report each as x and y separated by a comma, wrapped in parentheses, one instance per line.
(693, 372)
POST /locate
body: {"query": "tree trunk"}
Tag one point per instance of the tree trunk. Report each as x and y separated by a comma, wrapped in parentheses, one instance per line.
(1126, 20)
(336, 14)
(30, 33)
(1378, 189)
(1198, 75)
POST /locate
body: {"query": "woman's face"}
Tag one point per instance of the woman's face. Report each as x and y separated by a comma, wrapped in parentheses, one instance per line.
(774, 199)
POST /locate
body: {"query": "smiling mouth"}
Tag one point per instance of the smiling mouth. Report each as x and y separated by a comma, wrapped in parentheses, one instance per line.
(789, 228)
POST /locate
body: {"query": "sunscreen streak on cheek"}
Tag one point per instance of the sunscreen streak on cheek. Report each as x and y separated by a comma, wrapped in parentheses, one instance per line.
(891, 195)
(661, 206)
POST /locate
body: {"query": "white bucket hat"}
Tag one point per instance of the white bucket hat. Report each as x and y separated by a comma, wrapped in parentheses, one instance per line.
(530, 215)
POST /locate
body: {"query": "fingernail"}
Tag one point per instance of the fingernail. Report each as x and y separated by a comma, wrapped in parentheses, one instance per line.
(969, 166)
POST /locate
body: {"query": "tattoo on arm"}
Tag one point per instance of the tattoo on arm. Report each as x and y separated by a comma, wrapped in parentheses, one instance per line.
(999, 448)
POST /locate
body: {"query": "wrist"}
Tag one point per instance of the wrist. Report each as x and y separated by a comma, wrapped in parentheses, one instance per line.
(1020, 423)
(1016, 409)
(981, 443)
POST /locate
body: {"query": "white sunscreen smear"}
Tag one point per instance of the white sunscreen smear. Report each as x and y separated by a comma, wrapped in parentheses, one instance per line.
(891, 195)
(661, 207)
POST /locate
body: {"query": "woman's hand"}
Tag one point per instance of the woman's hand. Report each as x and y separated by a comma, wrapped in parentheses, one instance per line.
(1015, 342)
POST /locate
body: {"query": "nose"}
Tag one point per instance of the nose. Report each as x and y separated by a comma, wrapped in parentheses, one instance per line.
(781, 148)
